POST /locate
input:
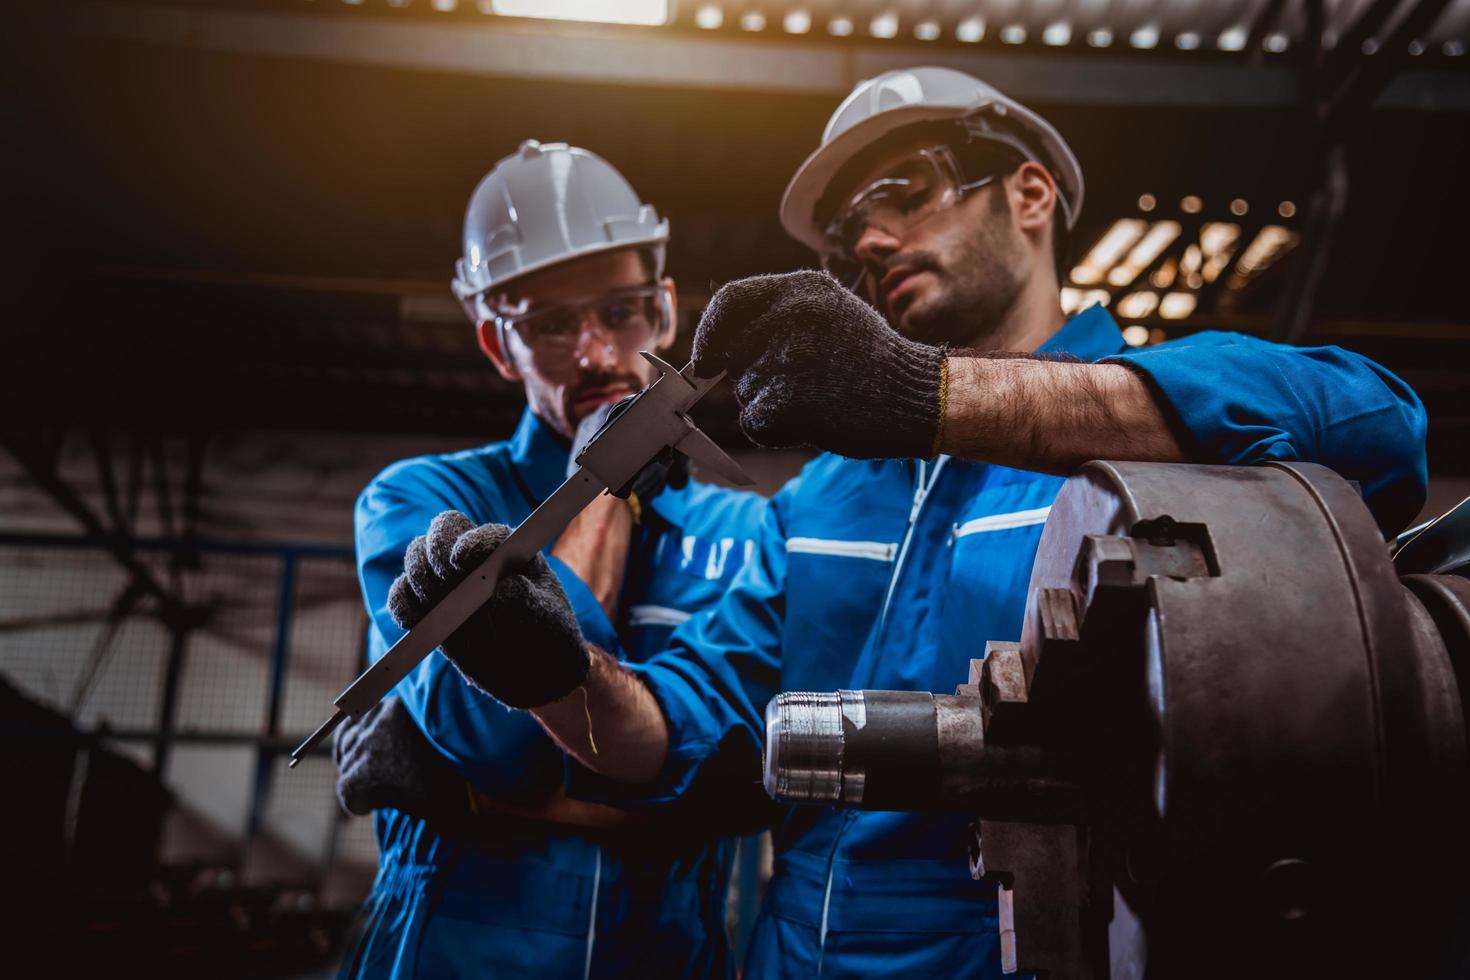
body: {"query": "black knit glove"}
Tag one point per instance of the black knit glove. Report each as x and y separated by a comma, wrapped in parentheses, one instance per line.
(383, 760)
(815, 366)
(524, 646)
(669, 468)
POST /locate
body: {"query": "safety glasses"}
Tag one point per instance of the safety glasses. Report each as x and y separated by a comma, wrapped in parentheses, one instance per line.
(629, 318)
(913, 191)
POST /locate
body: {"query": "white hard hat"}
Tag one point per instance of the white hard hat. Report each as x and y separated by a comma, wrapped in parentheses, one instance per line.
(897, 99)
(544, 204)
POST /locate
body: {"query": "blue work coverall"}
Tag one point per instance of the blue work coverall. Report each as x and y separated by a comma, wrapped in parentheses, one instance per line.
(520, 899)
(894, 573)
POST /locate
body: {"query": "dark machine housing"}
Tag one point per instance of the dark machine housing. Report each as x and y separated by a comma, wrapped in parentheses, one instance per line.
(1230, 742)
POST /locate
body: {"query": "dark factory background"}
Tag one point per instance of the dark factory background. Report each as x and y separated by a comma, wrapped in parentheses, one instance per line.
(232, 226)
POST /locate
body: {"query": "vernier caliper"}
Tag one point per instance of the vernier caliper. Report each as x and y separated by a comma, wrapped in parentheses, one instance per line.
(652, 422)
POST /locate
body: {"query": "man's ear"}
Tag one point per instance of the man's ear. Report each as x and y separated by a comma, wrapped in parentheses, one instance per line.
(489, 339)
(669, 313)
(1033, 194)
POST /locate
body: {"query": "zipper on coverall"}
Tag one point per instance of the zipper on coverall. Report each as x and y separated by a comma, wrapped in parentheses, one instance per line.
(923, 485)
(592, 918)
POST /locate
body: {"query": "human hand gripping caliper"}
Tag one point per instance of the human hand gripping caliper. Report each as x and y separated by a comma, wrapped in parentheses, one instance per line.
(652, 422)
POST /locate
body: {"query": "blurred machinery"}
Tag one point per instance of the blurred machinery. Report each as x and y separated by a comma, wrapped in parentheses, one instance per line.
(1231, 741)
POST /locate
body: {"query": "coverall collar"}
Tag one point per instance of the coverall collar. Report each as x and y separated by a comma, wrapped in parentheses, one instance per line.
(1091, 335)
(539, 453)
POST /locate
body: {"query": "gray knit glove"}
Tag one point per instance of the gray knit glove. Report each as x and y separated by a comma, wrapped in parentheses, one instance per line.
(383, 760)
(524, 646)
(816, 366)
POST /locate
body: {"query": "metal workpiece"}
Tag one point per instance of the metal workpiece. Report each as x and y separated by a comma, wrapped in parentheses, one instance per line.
(1226, 725)
(870, 749)
(653, 422)
(903, 750)
(804, 748)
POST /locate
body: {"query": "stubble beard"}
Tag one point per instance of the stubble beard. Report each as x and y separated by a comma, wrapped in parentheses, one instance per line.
(979, 287)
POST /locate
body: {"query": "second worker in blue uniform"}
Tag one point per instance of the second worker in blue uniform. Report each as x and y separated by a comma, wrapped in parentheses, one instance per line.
(488, 869)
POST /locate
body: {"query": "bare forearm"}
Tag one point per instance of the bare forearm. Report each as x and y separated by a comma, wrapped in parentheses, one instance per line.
(611, 724)
(555, 808)
(595, 547)
(1051, 416)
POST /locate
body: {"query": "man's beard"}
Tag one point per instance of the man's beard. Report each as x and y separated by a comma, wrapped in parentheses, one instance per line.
(978, 289)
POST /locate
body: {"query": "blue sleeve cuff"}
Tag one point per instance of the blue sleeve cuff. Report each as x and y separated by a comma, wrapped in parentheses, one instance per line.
(1227, 403)
(1239, 400)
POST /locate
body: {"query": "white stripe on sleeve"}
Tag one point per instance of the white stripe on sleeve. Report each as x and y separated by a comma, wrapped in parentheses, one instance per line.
(872, 550)
(656, 616)
(1000, 522)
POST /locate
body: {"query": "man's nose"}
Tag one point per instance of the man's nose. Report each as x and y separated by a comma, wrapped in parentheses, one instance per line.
(595, 347)
(874, 245)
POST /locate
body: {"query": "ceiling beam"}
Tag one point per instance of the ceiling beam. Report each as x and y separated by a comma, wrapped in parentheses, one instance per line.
(589, 53)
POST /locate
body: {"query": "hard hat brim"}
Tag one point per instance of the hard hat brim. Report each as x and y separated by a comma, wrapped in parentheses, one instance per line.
(464, 291)
(810, 183)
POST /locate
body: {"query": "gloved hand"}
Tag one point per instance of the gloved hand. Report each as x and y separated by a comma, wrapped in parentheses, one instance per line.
(383, 760)
(524, 646)
(814, 365)
(670, 468)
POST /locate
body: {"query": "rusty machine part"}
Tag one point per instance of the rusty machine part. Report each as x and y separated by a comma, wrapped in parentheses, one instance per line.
(1230, 742)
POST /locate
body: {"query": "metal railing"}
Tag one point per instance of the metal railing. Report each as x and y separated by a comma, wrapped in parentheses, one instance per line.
(214, 703)
(208, 700)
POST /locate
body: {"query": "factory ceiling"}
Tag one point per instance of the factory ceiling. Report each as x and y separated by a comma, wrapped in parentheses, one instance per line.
(246, 213)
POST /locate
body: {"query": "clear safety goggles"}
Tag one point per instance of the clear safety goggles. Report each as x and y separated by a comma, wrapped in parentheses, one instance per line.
(919, 187)
(628, 318)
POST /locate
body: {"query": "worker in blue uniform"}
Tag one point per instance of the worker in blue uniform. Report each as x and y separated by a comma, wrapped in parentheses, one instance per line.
(503, 875)
(949, 421)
